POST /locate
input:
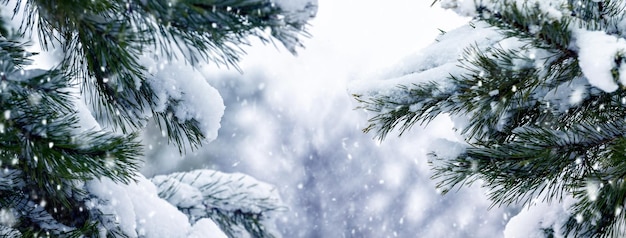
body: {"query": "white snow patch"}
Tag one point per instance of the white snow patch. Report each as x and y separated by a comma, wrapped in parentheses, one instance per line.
(196, 99)
(465, 8)
(577, 96)
(201, 191)
(433, 64)
(447, 149)
(448, 48)
(86, 120)
(596, 57)
(534, 220)
(206, 226)
(493, 93)
(137, 209)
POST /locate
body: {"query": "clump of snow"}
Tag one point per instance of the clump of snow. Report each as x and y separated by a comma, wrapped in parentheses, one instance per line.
(139, 212)
(86, 120)
(596, 56)
(536, 219)
(448, 48)
(465, 8)
(194, 98)
(137, 209)
(447, 149)
(206, 226)
(434, 63)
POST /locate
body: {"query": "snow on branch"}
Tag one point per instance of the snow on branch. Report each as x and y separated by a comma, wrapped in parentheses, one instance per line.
(237, 202)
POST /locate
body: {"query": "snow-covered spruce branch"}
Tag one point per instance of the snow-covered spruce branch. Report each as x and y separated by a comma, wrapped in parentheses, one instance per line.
(238, 203)
(44, 152)
(105, 41)
(520, 169)
(491, 85)
(69, 155)
(536, 89)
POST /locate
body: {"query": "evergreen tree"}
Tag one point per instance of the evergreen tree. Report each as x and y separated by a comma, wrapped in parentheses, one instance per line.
(68, 135)
(537, 89)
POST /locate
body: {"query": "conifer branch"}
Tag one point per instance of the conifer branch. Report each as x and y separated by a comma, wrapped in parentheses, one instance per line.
(55, 163)
(104, 40)
(229, 200)
(536, 128)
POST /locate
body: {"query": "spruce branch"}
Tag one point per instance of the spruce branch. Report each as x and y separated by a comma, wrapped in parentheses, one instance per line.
(212, 30)
(40, 138)
(103, 42)
(529, 23)
(232, 201)
(39, 123)
(486, 93)
(50, 162)
(601, 198)
(543, 164)
(536, 128)
(392, 112)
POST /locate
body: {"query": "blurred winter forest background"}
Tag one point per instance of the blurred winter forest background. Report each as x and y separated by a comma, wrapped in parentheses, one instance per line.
(290, 121)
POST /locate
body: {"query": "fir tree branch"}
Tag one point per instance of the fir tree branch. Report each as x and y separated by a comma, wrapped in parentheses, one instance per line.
(229, 200)
(39, 137)
(40, 123)
(539, 162)
(213, 30)
(103, 42)
(529, 23)
(45, 153)
(529, 135)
